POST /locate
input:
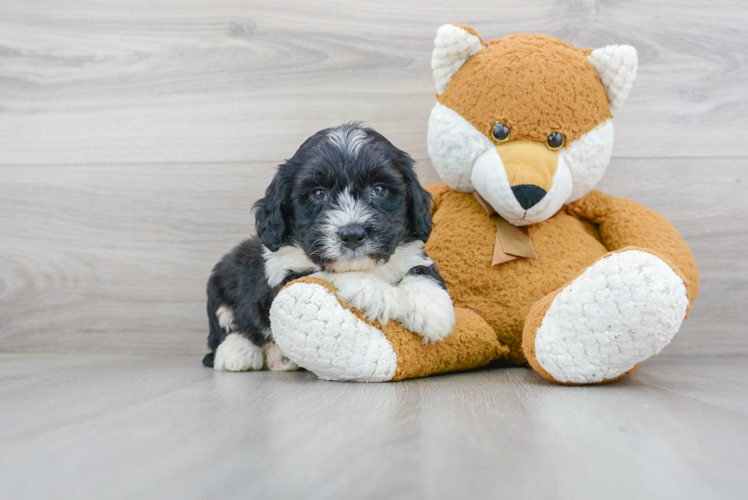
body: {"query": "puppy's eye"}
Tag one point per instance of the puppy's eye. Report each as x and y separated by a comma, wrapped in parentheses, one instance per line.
(378, 191)
(500, 132)
(318, 195)
(555, 141)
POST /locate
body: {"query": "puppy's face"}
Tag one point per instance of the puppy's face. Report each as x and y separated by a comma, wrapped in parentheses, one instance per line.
(348, 198)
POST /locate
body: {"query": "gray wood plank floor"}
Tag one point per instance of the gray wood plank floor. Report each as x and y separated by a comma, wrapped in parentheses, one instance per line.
(104, 426)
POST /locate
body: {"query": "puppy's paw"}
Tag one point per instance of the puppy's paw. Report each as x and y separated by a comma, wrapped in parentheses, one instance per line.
(237, 354)
(426, 309)
(373, 297)
(276, 361)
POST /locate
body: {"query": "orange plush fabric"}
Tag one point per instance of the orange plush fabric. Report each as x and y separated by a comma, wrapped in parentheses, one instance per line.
(538, 85)
(462, 244)
(472, 343)
(507, 82)
(624, 223)
(566, 244)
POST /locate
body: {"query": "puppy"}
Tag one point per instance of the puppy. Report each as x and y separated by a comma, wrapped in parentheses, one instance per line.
(348, 209)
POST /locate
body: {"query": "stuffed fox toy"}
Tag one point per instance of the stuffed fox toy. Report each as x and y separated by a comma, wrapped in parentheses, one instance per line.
(542, 268)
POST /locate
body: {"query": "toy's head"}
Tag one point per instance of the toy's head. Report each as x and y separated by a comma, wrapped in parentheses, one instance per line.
(525, 120)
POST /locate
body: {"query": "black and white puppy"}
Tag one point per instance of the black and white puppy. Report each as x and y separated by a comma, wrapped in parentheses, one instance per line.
(348, 209)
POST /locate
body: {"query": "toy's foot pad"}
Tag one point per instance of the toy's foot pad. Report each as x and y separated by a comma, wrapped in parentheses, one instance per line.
(619, 312)
(314, 330)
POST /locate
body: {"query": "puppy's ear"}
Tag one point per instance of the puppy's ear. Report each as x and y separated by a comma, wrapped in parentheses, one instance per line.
(419, 201)
(271, 211)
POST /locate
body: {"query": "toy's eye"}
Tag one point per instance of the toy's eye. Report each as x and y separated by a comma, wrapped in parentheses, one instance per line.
(500, 132)
(555, 141)
(378, 191)
(318, 195)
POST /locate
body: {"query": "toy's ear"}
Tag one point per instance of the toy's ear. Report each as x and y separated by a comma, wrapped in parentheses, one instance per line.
(616, 65)
(453, 45)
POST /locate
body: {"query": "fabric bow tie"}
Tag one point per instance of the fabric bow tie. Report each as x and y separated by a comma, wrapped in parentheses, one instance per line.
(512, 242)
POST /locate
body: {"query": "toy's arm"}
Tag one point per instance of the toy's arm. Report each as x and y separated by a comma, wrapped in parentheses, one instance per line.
(437, 193)
(626, 224)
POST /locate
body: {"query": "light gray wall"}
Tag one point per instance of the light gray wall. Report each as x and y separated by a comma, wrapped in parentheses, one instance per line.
(136, 136)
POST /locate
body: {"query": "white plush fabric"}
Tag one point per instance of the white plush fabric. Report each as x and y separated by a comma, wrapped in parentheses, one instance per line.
(617, 66)
(237, 354)
(453, 146)
(619, 312)
(588, 158)
(490, 180)
(315, 331)
(452, 47)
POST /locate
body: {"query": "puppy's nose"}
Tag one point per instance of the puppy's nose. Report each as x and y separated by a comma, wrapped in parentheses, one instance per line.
(353, 236)
(528, 195)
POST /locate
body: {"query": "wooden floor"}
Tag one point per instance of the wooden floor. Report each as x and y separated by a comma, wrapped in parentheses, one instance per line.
(131, 426)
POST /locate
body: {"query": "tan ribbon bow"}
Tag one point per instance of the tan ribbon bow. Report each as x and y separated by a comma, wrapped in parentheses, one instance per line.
(512, 242)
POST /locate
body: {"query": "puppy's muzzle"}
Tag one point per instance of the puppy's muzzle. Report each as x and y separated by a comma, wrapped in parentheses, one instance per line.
(352, 236)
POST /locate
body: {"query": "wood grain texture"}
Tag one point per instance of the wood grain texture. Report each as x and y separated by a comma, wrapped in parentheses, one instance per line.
(136, 137)
(116, 258)
(92, 426)
(173, 81)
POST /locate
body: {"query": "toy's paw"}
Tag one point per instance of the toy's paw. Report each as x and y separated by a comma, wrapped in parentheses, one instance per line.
(315, 331)
(619, 312)
(427, 310)
(276, 361)
(237, 354)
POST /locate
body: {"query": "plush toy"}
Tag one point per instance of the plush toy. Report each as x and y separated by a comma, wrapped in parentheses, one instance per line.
(542, 269)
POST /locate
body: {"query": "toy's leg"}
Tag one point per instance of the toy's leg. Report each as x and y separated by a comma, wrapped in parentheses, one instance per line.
(319, 332)
(620, 311)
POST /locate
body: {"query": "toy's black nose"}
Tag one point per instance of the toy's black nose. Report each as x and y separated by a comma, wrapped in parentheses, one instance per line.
(353, 236)
(528, 195)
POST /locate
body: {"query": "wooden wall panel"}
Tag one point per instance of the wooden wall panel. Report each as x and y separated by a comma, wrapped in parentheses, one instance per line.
(137, 135)
(116, 258)
(102, 82)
